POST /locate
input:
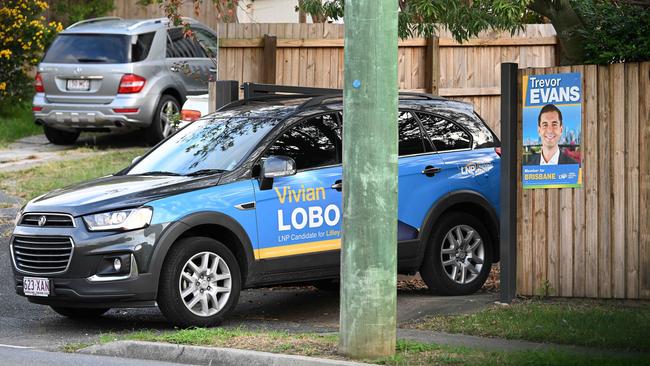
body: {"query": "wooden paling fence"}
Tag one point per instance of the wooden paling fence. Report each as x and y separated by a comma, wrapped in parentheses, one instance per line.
(594, 241)
(312, 55)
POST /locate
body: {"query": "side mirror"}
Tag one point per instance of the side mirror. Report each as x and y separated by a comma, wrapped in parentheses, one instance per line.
(136, 159)
(274, 167)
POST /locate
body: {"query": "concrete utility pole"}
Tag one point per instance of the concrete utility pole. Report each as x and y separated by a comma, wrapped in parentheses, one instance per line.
(369, 249)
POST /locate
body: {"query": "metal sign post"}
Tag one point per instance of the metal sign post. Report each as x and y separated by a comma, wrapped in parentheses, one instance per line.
(509, 143)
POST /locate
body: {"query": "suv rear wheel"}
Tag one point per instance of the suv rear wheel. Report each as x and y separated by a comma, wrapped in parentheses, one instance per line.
(458, 257)
(60, 137)
(199, 284)
(162, 124)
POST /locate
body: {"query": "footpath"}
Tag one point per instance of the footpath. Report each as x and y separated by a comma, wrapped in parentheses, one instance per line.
(195, 355)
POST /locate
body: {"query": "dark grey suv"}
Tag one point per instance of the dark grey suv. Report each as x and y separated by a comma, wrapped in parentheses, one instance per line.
(109, 73)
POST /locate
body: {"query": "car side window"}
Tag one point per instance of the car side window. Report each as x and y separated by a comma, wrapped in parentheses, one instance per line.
(141, 45)
(444, 134)
(409, 135)
(179, 46)
(313, 143)
(207, 40)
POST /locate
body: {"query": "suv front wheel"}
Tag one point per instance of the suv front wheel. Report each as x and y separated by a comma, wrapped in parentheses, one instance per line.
(60, 137)
(199, 283)
(163, 122)
(458, 257)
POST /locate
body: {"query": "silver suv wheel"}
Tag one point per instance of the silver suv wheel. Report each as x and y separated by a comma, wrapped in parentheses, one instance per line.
(205, 284)
(167, 117)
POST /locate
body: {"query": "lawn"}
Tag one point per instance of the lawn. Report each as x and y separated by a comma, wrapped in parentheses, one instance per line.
(16, 122)
(325, 346)
(600, 324)
(33, 182)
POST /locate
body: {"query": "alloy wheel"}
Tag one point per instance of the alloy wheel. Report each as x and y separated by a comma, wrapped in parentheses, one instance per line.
(462, 254)
(168, 115)
(205, 284)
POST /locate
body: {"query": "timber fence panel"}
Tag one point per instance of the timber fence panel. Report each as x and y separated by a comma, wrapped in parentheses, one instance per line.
(594, 241)
(644, 180)
(590, 181)
(632, 181)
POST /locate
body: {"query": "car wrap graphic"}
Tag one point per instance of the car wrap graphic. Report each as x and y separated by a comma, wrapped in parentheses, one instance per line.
(300, 214)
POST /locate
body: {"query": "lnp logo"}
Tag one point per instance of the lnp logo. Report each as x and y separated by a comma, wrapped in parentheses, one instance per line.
(474, 168)
(42, 221)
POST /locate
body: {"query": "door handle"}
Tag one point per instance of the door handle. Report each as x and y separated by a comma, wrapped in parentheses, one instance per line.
(430, 171)
(338, 185)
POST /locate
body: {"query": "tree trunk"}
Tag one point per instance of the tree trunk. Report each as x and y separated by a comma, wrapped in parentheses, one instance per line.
(568, 25)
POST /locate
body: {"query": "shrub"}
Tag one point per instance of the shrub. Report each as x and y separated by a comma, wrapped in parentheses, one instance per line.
(614, 31)
(24, 34)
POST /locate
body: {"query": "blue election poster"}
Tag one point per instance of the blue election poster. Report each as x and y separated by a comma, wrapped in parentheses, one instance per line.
(552, 121)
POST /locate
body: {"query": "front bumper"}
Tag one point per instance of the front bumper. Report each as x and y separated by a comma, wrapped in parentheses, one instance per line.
(79, 116)
(82, 284)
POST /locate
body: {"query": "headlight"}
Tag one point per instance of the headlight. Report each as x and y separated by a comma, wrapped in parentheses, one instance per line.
(119, 220)
(18, 215)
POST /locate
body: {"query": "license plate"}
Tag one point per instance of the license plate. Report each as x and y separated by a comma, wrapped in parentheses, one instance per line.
(75, 84)
(36, 286)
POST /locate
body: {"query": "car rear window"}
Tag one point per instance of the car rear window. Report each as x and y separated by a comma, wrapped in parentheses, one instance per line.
(89, 48)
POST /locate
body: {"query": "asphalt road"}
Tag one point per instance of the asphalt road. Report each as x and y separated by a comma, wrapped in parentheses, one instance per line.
(281, 308)
(11, 356)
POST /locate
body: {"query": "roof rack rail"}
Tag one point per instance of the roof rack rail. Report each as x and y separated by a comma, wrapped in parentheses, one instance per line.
(147, 21)
(317, 96)
(261, 98)
(421, 95)
(94, 20)
(322, 99)
(318, 100)
(255, 89)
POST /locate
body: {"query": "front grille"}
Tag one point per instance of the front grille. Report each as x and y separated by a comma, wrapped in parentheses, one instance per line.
(46, 220)
(42, 254)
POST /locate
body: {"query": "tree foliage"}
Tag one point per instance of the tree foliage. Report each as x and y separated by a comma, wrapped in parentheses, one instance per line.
(24, 34)
(614, 32)
(465, 19)
(226, 9)
(71, 11)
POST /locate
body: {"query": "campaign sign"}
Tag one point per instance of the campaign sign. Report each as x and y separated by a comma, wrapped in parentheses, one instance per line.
(552, 120)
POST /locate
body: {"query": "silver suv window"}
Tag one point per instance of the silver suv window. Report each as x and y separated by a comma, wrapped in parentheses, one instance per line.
(99, 48)
(179, 46)
(140, 46)
(89, 48)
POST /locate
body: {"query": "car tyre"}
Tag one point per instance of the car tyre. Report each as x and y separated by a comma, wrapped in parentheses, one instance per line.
(80, 313)
(162, 124)
(458, 240)
(60, 137)
(199, 284)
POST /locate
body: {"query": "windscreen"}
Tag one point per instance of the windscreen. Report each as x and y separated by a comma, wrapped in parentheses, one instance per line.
(206, 145)
(89, 48)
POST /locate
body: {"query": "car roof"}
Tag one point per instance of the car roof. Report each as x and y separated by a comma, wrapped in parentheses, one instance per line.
(116, 25)
(281, 106)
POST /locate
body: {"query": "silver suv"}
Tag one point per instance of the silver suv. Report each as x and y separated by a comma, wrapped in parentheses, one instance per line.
(109, 73)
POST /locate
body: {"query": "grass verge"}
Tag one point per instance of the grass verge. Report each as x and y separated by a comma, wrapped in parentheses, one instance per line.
(32, 182)
(587, 323)
(16, 122)
(407, 352)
